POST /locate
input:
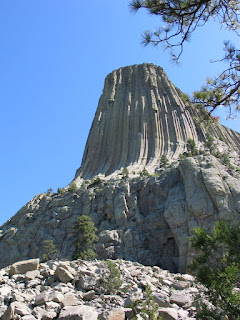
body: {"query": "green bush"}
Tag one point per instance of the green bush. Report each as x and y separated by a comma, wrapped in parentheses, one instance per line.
(144, 173)
(225, 159)
(49, 191)
(191, 148)
(61, 190)
(84, 237)
(49, 250)
(95, 181)
(209, 143)
(146, 308)
(164, 161)
(110, 281)
(72, 187)
(217, 267)
(125, 173)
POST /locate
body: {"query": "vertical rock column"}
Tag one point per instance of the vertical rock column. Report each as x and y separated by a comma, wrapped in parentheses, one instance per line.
(139, 118)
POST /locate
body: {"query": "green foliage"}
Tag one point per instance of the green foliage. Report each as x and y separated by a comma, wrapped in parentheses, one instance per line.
(95, 181)
(49, 191)
(110, 281)
(84, 237)
(225, 159)
(178, 21)
(191, 148)
(164, 161)
(217, 267)
(72, 187)
(61, 190)
(146, 308)
(209, 143)
(125, 173)
(144, 173)
(50, 251)
(185, 98)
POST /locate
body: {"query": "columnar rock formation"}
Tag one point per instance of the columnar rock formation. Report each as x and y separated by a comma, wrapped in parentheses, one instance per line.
(140, 117)
(145, 218)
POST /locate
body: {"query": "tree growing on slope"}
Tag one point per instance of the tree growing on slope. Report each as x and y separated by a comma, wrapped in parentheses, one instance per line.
(217, 267)
(84, 237)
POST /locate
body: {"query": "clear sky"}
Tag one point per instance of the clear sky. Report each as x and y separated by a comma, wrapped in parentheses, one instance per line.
(54, 57)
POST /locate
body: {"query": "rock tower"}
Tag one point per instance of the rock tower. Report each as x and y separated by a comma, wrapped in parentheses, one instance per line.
(140, 117)
(140, 217)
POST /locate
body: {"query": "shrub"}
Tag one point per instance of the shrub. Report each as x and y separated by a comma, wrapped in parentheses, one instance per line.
(185, 98)
(50, 251)
(225, 159)
(217, 267)
(191, 148)
(72, 187)
(164, 161)
(110, 281)
(209, 143)
(60, 190)
(144, 173)
(146, 308)
(95, 181)
(125, 173)
(84, 237)
(49, 191)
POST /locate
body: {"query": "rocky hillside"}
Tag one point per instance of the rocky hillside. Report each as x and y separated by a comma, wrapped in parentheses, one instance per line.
(146, 219)
(79, 290)
(145, 208)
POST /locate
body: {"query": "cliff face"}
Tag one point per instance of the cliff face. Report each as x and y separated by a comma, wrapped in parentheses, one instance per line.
(141, 218)
(144, 219)
(140, 117)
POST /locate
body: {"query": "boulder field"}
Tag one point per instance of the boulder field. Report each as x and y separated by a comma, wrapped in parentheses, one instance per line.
(65, 289)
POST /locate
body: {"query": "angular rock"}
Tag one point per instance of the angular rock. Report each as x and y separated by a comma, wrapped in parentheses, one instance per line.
(31, 275)
(49, 315)
(78, 313)
(180, 299)
(70, 300)
(28, 317)
(24, 266)
(16, 308)
(168, 313)
(42, 298)
(89, 295)
(63, 274)
(162, 300)
(117, 314)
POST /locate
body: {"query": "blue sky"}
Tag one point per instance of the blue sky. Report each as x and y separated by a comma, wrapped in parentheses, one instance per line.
(54, 57)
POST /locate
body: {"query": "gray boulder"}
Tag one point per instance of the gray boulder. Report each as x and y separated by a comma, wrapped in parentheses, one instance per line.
(78, 313)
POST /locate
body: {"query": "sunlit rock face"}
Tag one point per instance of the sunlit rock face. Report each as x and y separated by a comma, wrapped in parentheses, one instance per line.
(145, 218)
(140, 117)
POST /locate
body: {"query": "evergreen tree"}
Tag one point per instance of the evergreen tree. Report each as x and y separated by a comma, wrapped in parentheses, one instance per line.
(180, 18)
(84, 237)
(110, 281)
(191, 148)
(125, 173)
(50, 251)
(164, 161)
(146, 308)
(217, 267)
(209, 143)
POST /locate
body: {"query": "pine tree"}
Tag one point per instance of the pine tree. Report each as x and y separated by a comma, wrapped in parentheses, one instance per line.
(84, 237)
(164, 161)
(217, 267)
(191, 148)
(50, 251)
(179, 20)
